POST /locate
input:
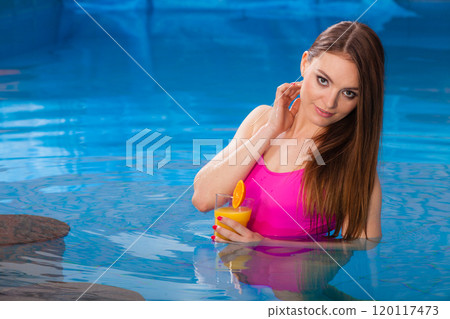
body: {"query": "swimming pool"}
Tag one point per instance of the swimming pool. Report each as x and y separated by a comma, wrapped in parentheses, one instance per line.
(70, 102)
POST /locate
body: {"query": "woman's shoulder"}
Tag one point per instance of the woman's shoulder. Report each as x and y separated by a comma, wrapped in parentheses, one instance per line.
(253, 122)
(259, 116)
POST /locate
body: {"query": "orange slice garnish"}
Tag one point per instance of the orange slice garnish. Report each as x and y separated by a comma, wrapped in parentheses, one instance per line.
(238, 194)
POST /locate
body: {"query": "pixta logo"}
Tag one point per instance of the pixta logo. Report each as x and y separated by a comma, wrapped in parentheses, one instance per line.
(145, 140)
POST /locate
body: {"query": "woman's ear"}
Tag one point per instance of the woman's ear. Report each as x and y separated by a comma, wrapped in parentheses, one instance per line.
(304, 64)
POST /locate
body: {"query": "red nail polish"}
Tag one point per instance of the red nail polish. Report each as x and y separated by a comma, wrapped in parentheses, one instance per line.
(213, 237)
(214, 227)
(219, 218)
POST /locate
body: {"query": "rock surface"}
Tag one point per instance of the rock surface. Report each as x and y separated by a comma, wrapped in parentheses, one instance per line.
(22, 229)
(68, 291)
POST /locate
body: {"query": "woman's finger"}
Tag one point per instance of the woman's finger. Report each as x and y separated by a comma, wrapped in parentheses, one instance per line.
(231, 235)
(294, 88)
(298, 84)
(292, 95)
(240, 229)
(286, 92)
(286, 86)
(284, 89)
(295, 106)
(217, 239)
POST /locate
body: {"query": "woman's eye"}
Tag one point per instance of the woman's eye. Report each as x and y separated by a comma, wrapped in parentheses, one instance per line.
(322, 81)
(349, 94)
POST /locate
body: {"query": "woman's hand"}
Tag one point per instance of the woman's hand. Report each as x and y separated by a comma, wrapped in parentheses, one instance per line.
(281, 118)
(240, 234)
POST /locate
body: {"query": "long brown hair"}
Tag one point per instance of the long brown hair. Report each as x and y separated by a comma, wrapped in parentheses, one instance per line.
(349, 147)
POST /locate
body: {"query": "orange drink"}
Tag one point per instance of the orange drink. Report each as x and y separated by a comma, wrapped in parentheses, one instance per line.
(224, 207)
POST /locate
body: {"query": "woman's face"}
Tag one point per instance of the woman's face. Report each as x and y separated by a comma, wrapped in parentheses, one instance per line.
(330, 88)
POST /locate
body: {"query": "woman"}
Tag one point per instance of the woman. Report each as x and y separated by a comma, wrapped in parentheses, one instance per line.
(340, 109)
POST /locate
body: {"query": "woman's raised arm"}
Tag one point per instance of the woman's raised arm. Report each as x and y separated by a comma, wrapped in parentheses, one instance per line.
(222, 173)
(236, 160)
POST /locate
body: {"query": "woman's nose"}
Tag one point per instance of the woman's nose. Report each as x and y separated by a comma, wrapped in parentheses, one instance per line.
(331, 100)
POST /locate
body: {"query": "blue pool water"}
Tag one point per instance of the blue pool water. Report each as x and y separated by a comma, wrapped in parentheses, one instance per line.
(70, 98)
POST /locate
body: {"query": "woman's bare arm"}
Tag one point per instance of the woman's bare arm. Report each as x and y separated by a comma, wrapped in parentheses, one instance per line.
(373, 215)
(252, 138)
(222, 173)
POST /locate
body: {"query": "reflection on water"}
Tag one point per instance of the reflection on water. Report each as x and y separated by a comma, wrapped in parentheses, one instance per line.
(292, 273)
(33, 263)
(35, 272)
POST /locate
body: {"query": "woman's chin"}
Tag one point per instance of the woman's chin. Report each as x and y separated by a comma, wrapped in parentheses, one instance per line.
(320, 121)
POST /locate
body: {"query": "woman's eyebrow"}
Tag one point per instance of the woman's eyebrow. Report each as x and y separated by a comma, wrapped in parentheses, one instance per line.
(328, 78)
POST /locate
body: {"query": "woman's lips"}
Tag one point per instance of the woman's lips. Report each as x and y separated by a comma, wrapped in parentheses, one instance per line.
(323, 113)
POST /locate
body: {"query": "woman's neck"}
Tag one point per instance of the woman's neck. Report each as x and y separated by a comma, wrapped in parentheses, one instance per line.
(302, 128)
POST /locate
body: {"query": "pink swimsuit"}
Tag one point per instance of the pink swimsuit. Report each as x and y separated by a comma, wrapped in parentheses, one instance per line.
(272, 190)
